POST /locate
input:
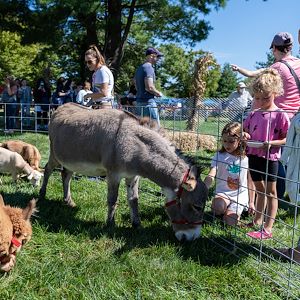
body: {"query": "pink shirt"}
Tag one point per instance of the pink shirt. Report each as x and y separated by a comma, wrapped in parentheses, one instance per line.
(290, 100)
(266, 126)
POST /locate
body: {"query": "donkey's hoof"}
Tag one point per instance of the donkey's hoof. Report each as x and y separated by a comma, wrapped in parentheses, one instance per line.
(70, 203)
(110, 223)
(42, 195)
(136, 225)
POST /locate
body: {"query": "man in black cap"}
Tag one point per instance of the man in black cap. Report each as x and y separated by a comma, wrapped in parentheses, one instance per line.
(145, 85)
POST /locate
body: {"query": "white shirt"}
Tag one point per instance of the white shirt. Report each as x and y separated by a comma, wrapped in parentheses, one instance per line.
(80, 95)
(103, 75)
(231, 176)
(238, 100)
(291, 158)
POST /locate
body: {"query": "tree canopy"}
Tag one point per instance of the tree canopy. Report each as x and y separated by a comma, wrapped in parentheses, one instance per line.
(54, 34)
(227, 82)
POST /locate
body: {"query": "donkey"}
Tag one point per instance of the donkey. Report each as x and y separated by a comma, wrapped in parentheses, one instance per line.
(113, 143)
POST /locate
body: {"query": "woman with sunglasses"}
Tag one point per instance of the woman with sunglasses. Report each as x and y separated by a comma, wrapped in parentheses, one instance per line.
(103, 79)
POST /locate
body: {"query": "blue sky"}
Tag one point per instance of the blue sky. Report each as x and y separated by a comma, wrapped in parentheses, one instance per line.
(244, 30)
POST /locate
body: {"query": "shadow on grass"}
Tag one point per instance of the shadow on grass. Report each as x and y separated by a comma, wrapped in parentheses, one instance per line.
(18, 199)
(208, 251)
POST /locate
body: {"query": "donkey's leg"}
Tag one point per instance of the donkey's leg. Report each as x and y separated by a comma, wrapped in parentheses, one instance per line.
(132, 198)
(51, 164)
(113, 182)
(66, 176)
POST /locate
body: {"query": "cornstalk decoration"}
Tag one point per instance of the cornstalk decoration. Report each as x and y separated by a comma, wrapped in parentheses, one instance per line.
(201, 71)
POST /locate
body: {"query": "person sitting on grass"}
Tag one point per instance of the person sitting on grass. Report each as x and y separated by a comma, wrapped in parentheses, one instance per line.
(230, 168)
(268, 125)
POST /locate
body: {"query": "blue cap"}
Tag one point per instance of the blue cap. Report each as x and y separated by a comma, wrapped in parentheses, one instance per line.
(282, 39)
(152, 50)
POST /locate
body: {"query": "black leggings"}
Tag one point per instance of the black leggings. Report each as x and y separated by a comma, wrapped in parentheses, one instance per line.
(259, 171)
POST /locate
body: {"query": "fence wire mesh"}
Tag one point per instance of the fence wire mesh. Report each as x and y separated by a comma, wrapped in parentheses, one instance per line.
(203, 140)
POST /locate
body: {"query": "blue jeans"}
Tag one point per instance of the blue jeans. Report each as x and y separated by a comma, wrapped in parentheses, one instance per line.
(25, 114)
(280, 185)
(148, 109)
(11, 114)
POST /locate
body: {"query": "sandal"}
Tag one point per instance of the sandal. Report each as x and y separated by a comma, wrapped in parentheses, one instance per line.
(260, 235)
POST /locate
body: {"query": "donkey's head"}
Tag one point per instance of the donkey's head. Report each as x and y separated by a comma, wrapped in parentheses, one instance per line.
(186, 211)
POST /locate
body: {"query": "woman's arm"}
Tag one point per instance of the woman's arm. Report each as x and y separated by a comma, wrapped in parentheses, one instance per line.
(246, 72)
(8, 87)
(103, 92)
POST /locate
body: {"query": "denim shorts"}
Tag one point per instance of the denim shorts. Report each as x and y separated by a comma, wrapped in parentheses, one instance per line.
(148, 109)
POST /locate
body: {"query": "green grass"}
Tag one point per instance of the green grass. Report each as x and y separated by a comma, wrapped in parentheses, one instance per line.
(73, 255)
(212, 126)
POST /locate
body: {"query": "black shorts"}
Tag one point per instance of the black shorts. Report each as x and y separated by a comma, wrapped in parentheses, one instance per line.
(259, 171)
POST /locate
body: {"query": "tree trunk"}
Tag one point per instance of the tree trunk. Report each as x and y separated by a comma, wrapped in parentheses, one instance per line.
(199, 85)
(113, 29)
(116, 35)
(89, 22)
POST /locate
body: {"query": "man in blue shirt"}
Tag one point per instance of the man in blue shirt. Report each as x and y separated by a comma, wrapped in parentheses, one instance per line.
(145, 85)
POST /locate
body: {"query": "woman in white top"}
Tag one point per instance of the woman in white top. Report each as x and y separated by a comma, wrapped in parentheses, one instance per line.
(103, 79)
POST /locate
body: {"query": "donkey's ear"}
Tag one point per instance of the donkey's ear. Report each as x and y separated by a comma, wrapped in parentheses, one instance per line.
(29, 210)
(1, 201)
(191, 181)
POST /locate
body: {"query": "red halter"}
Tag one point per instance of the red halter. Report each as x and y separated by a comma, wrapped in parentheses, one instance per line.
(175, 202)
(14, 242)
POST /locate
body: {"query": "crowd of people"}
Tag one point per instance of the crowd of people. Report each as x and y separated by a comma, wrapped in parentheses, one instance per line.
(18, 97)
(29, 107)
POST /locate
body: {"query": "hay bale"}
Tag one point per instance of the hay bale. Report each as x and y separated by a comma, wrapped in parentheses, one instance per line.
(191, 141)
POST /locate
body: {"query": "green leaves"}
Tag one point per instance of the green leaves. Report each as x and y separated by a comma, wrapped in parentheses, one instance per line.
(56, 33)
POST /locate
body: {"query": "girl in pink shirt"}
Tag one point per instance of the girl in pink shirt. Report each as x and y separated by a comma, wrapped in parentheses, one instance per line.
(268, 125)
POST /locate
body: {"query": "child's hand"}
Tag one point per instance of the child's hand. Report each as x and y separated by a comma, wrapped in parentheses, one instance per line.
(251, 209)
(246, 136)
(266, 145)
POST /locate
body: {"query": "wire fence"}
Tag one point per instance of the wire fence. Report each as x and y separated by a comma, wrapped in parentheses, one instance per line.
(203, 142)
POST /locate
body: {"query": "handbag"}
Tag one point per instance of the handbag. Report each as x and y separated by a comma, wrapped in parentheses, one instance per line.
(293, 73)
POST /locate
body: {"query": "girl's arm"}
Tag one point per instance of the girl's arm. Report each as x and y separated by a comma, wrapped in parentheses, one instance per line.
(275, 143)
(209, 179)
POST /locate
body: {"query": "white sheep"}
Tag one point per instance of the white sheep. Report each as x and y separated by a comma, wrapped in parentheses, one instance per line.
(14, 164)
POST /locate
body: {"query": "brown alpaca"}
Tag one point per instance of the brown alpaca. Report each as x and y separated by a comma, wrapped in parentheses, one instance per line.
(15, 231)
(29, 152)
